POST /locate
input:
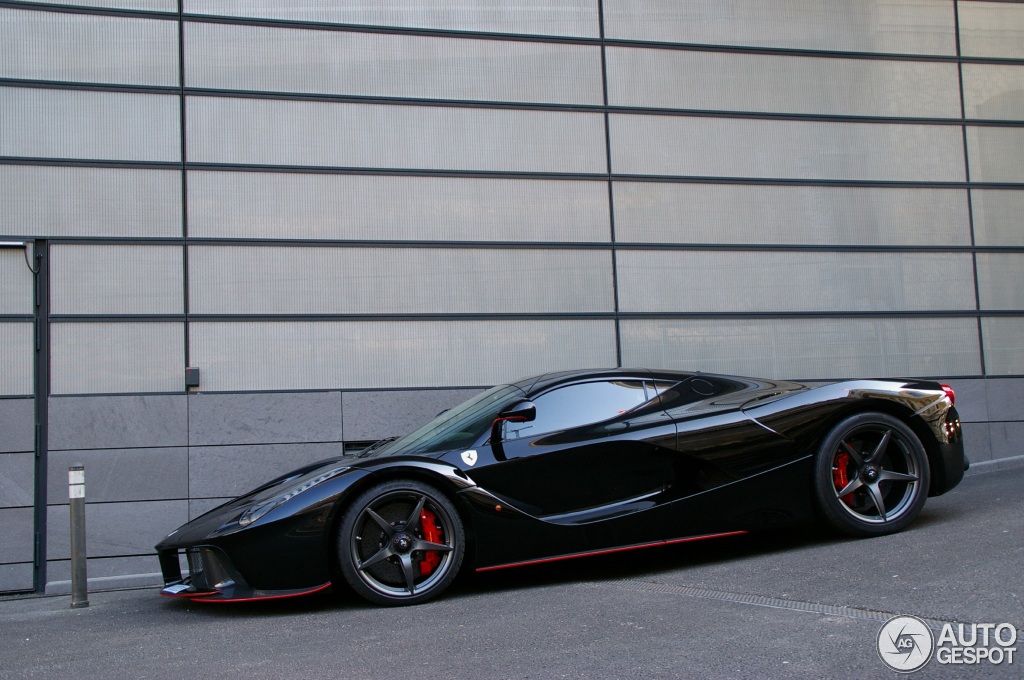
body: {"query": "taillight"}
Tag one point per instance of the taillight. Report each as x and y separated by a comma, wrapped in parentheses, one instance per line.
(949, 393)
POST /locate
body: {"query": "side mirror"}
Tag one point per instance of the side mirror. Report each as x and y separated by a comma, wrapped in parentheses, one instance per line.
(523, 412)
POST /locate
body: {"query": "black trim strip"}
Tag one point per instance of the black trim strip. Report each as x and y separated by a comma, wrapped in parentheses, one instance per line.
(496, 174)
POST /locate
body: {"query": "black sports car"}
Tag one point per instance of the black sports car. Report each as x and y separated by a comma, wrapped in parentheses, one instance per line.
(572, 464)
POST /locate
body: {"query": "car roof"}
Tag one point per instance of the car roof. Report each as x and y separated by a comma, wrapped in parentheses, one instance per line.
(544, 381)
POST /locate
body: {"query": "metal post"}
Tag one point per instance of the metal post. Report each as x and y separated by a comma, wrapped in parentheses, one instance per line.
(76, 494)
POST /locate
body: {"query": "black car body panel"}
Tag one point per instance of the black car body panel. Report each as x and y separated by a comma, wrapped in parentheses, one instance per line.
(613, 459)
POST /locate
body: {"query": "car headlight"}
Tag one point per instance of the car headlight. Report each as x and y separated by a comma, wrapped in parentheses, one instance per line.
(261, 509)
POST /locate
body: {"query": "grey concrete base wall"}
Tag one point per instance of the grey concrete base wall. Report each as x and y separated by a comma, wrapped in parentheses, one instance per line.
(153, 462)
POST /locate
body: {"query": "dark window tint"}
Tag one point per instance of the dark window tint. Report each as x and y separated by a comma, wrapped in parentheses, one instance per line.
(582, 404)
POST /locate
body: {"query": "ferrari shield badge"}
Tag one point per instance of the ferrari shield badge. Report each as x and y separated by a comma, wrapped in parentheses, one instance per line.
(469, 457)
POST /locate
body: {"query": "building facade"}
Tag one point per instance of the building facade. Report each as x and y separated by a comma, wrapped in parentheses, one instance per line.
(346, 216)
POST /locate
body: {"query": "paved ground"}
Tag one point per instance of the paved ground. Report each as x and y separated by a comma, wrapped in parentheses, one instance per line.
(796, 604)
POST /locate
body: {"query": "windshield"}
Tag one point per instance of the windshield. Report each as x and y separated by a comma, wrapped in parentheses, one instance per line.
(458, 428)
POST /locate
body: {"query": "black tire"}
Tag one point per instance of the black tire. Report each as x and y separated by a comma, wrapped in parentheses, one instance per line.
(881, 465)
(400, 542)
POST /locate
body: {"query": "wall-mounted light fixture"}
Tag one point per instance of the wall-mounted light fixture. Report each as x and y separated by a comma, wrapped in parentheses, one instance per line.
(24, 246)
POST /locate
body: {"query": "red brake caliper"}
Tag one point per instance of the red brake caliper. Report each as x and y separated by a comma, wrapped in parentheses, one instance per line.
(840, 477)
(432, 534)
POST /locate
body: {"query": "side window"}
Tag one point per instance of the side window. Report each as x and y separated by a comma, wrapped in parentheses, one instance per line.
(581, 404)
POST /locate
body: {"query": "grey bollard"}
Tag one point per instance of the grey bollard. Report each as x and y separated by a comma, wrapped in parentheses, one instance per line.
(76, 494)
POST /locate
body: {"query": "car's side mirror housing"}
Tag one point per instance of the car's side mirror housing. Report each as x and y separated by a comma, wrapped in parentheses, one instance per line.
(523, 412)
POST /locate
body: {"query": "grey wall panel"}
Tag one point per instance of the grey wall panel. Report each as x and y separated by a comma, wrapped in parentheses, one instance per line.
(794, 282)
(718, 81)
(375, 415)
(227, 130)
(385, 354)
(898, 26)
(16, 535)
(314, 206)
(1005, 439)
(994, 154)
(992, 29)
(1004, 402)
(151, 5)
(971, 399)
(725, 147)
(115, 529)
(1004, 345)
(105, 573)
(102, 358)
(16, 358)
(807, 348)
(91, 125)
(294, 280)
(16, 281)
(1001, 281)
(228, 471)
(121, 474)
(16, 577)
(661, 212)
(977, 442)
(542, 17)
(129, 279)
(118, 422)
(997, 217)
(17, 479)
(276, 418)
(55, 201)
(994, 91)
(17, 425)
(377, 64)
(87, 48)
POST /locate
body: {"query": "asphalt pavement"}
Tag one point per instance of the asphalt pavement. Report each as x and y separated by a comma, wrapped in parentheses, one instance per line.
(793, 604)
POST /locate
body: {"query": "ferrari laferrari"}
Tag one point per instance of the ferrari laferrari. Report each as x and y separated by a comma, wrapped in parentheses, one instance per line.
(571, 464)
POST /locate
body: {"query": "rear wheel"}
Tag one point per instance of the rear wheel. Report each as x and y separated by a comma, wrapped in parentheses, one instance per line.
(400, 542)
(871, 475)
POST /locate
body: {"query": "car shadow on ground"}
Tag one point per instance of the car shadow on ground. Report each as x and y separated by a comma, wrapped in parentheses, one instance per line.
(630, 564)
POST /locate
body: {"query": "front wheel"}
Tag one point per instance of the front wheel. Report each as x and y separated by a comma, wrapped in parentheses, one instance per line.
(400, 542)
(871, 475)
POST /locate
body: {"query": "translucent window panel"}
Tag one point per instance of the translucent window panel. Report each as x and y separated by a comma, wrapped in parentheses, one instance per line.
(16, 280)
(896, 26)
(378, 64)
(1001, 281)
(995, 154)
(734, 147)
(994, 91)
(1004, 345)
(232, 130)
(710, 81)
(88, 48)
(382, 354)
(807, 348)
(294, 280)
(694, 281)
(17, 352)
(108, 358)
(541, 17)
(69, 201)
(320, 206)
(992, 29)
(997, 217)
(89, 125)
(662, 212)
(126, 279)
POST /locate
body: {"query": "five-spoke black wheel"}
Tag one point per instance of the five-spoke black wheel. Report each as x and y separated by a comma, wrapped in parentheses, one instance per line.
(871, 475)
(400, 542)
